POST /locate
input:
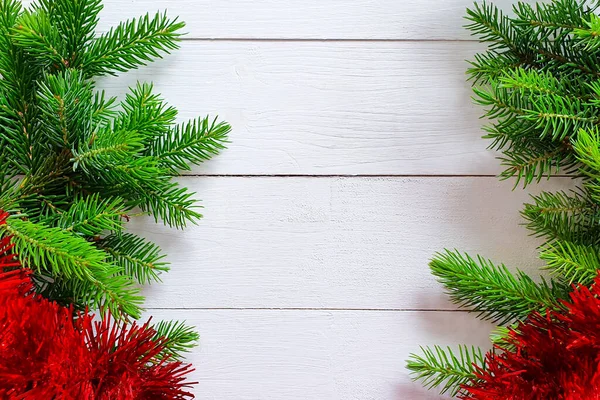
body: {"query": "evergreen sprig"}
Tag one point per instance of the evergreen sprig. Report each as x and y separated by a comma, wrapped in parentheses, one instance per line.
(539, 83)
(572, 262)
(444, 369)
(178, 338)
(573, 217)
(76, 164)
(492, 290)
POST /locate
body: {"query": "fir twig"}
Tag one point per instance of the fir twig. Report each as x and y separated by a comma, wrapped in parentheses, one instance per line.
(444, 369)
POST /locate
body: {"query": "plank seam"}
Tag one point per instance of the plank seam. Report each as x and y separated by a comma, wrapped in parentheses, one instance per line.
(354, 176)
(329, 40)
(304, 309)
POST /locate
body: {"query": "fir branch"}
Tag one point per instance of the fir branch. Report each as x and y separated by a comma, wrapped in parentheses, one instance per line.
(17, 91)
(87, 159)
(528, 167)
(42, 40)
(539, 83)
(490, 66)
(559, 117)
(190, 143)
(92, 215)
(68, 256)
(564, 55)
(552, 21)
(443, 369)
(491, 25)
(63, 120)
(172, 204)
(103, 110)
(501, 103)
(571, 217)
(145, 113)
(554, 116)
(107, 149)
(75, 21)
(178, 339)
(590, 34)
(532, 82)
(9, 12)
(491, 290)
(138, 258)
(587, 149)
(575, 263)
(132, 44)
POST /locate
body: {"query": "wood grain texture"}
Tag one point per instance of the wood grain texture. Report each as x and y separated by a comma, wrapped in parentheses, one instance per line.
(318, 287)
(317, 355)
(350, 243)
(329, 108)
(308, 19)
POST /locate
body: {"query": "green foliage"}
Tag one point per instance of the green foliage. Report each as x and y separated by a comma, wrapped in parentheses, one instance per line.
(573, 217)
(131, 44)
(539, 83)
(56, 252)
(139, 258)
(491, 290)
(442, 368)
(575, 263)
(178, 338)
(192, 142)
(77, 164)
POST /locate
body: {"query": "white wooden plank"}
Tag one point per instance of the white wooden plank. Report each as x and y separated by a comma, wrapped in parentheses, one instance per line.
(358, 243)
(308, 19)
(329, 108)
(320, 355)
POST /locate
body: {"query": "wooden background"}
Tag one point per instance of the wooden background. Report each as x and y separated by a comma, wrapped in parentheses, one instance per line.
(355, 155)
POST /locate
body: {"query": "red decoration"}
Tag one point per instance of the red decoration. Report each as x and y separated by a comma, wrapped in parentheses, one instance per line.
(48, 351)
(556, 356)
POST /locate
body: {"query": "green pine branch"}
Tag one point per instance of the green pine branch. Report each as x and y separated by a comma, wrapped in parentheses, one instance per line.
(573, 262)
(41, 39)
(444, 369)
(178, 338)
(191, 143)
(132, 44)
(103, 110)
(76, 22)
(573, 217)
(92, 216)
(145, 113)
(62, 254)
(539, 84)
(107, 149)
(75, 162)
(140, 259)
(590, 33)
(556, 20)
(64, 108)
(491, 290)
(173, 204)
(491, 25)
(532, 165)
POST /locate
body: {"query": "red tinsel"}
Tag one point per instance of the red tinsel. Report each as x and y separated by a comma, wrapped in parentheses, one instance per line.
(49, 352)
(551, 357)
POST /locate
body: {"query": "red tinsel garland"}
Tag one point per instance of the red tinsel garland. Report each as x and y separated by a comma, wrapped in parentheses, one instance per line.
(551, 357)
(49, 352)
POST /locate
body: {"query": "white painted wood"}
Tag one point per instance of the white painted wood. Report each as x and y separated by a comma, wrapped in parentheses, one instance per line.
(329, 108)
(352, 243)
(317, 355)
(380, 102)
(308, 19)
